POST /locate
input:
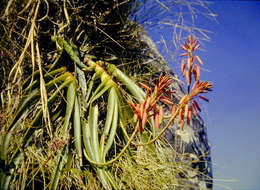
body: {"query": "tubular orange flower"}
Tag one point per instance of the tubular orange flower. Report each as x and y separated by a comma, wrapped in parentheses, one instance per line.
(161, 114)
(174, 107)
(184, 48)
(196, 105)
(199, 60)
(157, 124)
(183, 66)
(203, 98)
(145, 87)
(196, 47)
(197, 69)
(147, 103)
(166, 100)
(143, 110)
(144, 118)
(191, 70)
(194, 110)
(188, 78)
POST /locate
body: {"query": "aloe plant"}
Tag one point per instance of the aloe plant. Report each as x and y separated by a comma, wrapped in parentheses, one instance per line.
(81, 115)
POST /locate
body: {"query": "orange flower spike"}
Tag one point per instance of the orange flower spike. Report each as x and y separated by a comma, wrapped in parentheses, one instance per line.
(173, 110)
(183, 66)
(199, 60)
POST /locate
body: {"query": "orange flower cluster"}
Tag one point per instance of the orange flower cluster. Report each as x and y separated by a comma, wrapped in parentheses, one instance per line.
(188, 103)
(187, 106)
(190, 67)
(148, 108)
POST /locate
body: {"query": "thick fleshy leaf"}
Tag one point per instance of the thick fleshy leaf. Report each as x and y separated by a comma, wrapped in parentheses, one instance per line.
(77, 130)
(113, 129)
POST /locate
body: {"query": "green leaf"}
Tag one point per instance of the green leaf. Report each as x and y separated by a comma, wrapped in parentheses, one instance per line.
(62, 160)
(93, 124)
(77, 130)
(114, 125)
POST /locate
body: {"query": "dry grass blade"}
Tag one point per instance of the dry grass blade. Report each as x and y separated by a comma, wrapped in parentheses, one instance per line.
(43, 91)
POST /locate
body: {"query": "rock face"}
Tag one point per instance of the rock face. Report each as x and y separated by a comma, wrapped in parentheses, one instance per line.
(192, 141)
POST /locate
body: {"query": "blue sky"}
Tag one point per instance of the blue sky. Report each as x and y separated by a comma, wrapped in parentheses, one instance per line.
(232, 63)
(233, 57)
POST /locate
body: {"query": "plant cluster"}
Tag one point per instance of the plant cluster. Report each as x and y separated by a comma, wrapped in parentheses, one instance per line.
(80, 114)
